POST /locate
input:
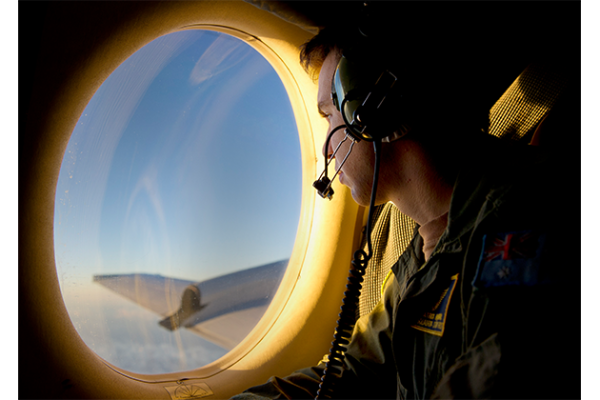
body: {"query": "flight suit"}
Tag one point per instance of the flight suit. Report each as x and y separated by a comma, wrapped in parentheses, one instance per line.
(493, 313)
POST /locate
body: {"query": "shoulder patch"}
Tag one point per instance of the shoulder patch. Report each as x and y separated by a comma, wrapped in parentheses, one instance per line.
(510, 259)
(434, 321)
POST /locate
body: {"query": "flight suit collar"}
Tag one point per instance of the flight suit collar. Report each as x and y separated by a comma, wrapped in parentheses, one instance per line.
(427, 272)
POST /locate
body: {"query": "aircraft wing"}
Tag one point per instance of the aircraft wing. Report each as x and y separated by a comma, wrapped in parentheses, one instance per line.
(223, 310)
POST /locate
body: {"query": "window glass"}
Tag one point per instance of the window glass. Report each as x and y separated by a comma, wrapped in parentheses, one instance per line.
(177, 203)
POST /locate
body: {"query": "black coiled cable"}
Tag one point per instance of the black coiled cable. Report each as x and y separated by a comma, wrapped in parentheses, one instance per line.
(347, 316)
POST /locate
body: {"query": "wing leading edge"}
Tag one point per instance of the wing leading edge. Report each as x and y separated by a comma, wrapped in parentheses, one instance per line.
(223, 310)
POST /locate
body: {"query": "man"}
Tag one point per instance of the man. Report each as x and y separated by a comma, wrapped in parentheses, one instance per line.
(482, 297)
(408, 179)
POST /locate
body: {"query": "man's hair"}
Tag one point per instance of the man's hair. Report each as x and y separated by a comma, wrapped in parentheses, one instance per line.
(314, 52)
(311, 57)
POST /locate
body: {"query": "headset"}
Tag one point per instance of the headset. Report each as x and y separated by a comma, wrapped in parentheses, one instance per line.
(368, 97)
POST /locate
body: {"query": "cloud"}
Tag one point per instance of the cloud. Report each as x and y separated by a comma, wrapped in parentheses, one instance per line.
(222, 54)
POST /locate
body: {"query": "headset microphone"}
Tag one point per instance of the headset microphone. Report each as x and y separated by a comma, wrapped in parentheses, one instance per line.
(323, 184)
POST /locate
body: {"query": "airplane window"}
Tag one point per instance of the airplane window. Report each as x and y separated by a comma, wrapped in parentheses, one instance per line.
(177, 203)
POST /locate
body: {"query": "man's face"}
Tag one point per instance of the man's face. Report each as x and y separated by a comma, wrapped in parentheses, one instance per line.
(357, 172)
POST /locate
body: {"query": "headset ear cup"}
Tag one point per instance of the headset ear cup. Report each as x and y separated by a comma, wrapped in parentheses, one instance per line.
(361, 94)
(345, 89)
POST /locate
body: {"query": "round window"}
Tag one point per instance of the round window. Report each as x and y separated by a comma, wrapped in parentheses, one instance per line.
(177, 203)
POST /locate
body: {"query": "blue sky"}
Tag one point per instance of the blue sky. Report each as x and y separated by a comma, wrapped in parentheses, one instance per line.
(185, 163)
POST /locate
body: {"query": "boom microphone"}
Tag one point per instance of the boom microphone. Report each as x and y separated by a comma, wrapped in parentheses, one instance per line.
(323, 184)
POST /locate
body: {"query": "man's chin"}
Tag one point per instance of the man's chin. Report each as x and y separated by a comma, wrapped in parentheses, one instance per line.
(361, 200)
(364, 199)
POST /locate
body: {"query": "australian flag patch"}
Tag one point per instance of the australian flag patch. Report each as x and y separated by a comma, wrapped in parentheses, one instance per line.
(510, 259)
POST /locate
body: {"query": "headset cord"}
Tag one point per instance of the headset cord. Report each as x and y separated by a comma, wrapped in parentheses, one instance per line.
(347, 316)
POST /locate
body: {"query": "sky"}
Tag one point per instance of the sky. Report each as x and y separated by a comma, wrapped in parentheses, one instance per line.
(185, 163)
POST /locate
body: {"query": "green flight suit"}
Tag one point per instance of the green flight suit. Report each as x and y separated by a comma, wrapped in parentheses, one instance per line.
(494, 312)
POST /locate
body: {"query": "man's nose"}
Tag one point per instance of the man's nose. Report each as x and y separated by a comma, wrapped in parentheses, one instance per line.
(342, 135)
(327, 150)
